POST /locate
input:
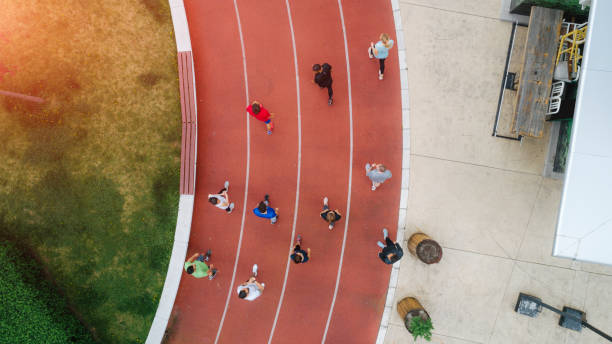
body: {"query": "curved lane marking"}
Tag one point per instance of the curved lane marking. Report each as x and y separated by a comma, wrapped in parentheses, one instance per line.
(299, 169)
(246, 178)
(350, 178)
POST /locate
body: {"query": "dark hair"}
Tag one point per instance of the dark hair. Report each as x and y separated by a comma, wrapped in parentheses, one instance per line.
(262, 207)
(316, 67)
(213, 200)
(326, 67)
(256, 108)
(297, 258)
(190, 270)
(331, 216)
(242, 294)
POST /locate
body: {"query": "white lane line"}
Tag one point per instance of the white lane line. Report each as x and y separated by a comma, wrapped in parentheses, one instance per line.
(299, 168)
(246, 178)
(350, 179)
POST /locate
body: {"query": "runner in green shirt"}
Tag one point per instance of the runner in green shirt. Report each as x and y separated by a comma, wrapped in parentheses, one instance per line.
(196, 266)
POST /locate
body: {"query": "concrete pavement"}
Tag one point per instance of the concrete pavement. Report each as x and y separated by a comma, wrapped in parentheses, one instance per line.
(484, 199)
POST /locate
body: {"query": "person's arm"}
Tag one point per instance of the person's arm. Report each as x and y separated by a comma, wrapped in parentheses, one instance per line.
(382, 257)
(192, 258)
(308, 249)
(259, 286)
(398, 250)
(374, 51)
(210, 269)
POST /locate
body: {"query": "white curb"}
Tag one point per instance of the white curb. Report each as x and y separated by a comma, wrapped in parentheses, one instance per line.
(185, 208)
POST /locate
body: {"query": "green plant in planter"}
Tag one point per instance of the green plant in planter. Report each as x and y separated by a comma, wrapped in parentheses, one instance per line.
(420, 327)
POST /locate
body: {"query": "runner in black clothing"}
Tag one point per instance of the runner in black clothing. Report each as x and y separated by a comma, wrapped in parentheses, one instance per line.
(330, 216)
(390, 253)
(323, 78)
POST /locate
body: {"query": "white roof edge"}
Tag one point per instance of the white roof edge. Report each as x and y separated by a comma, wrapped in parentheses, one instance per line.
(584, 226)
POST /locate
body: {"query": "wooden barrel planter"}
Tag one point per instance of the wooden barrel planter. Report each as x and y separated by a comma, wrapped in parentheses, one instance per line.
(424, 248)
(410, 308)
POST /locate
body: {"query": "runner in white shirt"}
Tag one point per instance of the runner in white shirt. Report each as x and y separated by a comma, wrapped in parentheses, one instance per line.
(221, 200)
(251, 289)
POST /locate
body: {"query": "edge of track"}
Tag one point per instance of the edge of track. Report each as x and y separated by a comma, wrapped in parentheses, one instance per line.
(186, 202)
(401, 223)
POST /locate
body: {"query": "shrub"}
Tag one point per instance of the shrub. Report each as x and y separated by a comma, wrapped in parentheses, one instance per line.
(571, 7)
(33, 311)
(421, 328)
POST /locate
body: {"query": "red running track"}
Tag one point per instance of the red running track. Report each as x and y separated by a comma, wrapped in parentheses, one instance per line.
(308, 157)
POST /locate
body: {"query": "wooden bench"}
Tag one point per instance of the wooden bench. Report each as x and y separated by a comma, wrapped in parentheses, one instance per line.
(190, 129)
(537, 71)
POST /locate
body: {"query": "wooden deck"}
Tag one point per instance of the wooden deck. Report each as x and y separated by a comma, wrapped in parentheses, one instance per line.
(537, 71)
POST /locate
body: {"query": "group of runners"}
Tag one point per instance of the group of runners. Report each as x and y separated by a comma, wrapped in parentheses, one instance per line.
(197, 265)
(323, 78)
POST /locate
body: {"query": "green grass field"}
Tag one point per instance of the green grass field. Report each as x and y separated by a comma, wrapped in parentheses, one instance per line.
(38, 313)
(89, 179)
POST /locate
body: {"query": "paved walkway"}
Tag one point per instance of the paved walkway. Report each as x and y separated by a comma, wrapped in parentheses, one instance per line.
(244, 51)
(483, 198)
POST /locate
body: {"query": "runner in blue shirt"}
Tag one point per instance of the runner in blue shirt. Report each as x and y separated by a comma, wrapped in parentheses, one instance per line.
(263, 210)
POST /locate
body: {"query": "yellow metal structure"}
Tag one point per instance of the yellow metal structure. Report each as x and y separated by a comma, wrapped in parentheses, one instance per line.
(569, 45)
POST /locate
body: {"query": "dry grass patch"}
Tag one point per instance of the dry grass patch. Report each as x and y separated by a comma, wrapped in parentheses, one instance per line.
(89, 179)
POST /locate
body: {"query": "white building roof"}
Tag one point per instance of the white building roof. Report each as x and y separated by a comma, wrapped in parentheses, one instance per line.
(584, 227)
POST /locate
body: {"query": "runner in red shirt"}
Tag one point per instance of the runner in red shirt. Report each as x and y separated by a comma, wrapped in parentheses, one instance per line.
(257, 110)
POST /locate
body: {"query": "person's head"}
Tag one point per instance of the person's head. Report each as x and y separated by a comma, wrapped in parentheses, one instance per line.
(213, 200)
(385, 39)
(326, 67)
(190, 270)
(243, 293)
(330, 216)
(256, 108)
(262, 207)
(381, 168)
(316, 68)
(297, 258)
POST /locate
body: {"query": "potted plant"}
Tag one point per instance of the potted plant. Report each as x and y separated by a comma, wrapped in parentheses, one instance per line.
(425, 248)
(421, 328)
(416, 319)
